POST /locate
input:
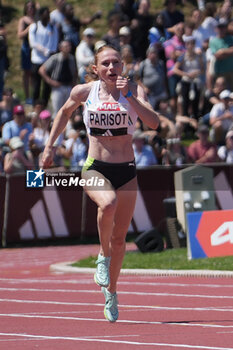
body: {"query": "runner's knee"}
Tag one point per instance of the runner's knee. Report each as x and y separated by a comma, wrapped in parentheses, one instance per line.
(109, 207)
(117, 241)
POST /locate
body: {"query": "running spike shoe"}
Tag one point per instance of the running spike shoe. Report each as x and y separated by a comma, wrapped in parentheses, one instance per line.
(101, 276)
(110, 310)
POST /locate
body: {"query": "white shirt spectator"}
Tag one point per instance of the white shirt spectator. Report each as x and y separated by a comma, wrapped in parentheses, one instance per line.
(84, 54)
(219, 109)
(40, 137)
(57, 17)
(43, 41)
(225, 154)
(205, 31)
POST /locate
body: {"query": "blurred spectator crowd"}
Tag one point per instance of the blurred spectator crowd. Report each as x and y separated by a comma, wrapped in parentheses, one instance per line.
(183, 62)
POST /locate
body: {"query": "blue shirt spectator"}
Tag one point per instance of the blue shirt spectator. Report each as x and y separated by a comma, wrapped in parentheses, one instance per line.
(144, 154)
(17, 127)
(76, 149)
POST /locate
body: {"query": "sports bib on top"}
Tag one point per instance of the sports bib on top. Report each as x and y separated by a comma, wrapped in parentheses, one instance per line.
(108, 118)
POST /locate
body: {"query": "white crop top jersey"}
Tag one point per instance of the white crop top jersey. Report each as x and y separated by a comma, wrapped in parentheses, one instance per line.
(108, 118)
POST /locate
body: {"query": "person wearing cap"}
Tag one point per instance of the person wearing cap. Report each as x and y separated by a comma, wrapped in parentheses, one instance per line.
(84, 53)
(125, 36)
(225, 152)
(202, 150)
(17, 127)
(221, 116)
(222, 48)
(60, 72)
(17, 161)
(39, 137)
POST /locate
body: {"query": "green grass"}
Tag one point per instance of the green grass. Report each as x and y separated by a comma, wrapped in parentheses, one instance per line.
(172, 259)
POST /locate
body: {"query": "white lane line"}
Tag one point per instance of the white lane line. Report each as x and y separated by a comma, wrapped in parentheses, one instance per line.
(212, 308)
(87, 337)
(82, 311)
(119, 292)
(90, 281)
(17, 339)
(70, 318)
(48, 302)
(188, 285)
(187, 346)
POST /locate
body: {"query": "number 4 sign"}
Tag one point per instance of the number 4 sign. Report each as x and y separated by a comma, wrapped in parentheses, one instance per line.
(223, 234)
(210, 233)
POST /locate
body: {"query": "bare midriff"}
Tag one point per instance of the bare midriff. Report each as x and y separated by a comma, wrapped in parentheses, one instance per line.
(112, 149)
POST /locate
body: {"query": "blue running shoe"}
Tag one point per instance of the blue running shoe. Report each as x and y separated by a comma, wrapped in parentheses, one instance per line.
(101, 276)
(110, 310)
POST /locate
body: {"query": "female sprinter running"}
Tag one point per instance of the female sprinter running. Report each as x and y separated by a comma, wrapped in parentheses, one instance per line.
(112, 105)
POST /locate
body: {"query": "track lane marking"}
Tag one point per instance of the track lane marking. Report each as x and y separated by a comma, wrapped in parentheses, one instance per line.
(119, 292)
(90, 281)
(188, 346)
(121, 305)
(69, 318)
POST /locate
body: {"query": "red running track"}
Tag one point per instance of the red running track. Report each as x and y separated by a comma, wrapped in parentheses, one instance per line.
(43, 310)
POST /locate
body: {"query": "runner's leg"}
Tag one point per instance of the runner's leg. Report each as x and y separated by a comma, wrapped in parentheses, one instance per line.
(126, 199)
